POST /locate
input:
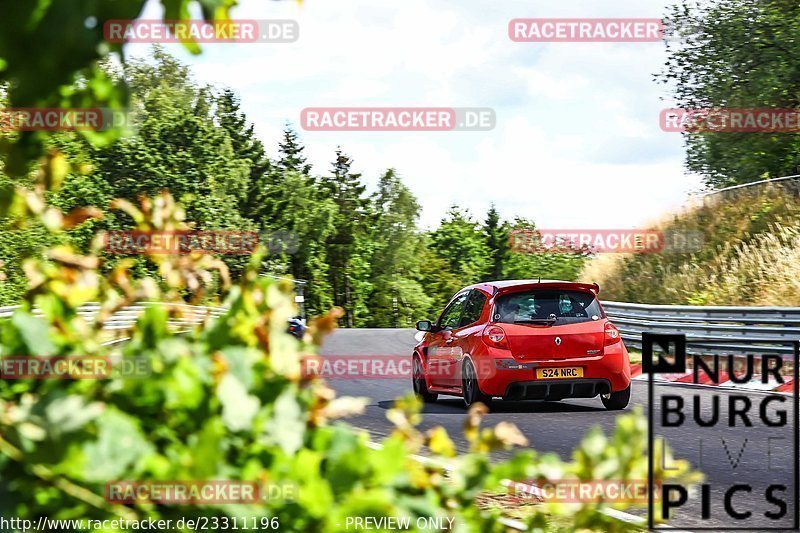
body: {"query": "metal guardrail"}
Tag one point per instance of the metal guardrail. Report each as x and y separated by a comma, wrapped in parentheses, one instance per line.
(707, 323)
(758, 328)
(751, 184)
(125, 318)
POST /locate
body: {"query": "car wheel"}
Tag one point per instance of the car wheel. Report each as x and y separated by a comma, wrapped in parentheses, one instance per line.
(471, 390)
(616, 400)
(420, 387)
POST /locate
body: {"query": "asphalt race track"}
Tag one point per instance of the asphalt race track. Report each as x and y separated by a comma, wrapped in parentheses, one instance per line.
(757, 455)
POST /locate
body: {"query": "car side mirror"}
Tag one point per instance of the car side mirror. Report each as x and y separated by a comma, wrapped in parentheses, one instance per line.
(424, 325)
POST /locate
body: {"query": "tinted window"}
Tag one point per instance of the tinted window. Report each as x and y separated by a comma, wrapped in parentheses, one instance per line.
(474, 307)
(452, 315)
(568, 307)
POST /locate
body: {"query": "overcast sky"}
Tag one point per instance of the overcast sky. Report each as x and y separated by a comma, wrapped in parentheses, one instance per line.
(577, 142)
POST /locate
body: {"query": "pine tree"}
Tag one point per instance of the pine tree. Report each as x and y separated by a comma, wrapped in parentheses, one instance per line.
(396, 296)
(460, 241)
(347, 192)
(497, 240)
(247, 147)
(291, 150)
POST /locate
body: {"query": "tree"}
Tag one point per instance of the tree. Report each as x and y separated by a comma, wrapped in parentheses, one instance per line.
(737, 54)
(397, 297)
(565, 266)
(291, 153)
(347, 192)
(178, 146)
(246, 147)
(229, 401)
(46, 47)
(459, 240)
(497, 241)
(436, 277)
(299, 211)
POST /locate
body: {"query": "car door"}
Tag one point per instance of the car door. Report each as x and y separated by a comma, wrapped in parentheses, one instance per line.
(463, 335)
(440, 349)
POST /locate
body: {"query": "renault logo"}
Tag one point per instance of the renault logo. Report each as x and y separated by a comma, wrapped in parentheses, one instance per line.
(558, 341)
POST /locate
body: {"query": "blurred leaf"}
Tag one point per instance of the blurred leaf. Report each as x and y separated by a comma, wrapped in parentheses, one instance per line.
(34, 333)
(119, 445)
(238, 407)
(287, 426)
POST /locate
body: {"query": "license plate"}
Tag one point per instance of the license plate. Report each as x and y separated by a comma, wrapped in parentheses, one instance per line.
(559, 372)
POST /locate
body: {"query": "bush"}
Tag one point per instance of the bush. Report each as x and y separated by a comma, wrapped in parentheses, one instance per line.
(228, 402)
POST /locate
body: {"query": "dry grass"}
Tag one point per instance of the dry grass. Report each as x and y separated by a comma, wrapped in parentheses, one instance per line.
(751, 255)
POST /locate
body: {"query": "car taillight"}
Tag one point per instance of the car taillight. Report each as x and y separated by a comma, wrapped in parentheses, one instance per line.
(612, 335)
(495, 336)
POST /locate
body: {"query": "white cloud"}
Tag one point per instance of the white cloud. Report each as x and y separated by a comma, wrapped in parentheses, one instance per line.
(577, 142)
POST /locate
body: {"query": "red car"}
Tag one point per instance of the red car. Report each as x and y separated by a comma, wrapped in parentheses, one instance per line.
(523, 340)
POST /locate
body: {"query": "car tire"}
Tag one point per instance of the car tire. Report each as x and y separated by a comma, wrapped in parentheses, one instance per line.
(420, 387)
(616, 401)
(470, 388)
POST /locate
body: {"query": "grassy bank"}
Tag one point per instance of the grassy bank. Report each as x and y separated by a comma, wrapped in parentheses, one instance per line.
(750, 256)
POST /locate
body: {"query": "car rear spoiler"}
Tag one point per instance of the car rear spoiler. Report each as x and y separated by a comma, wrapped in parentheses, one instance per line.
(592, 287)
(596, 288)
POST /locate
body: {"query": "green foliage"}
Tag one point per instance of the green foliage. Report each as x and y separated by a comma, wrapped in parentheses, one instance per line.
(343, 246)
(461, 243)
(497, 235)
(291, 151)
(397, 295)
(45, 47)
(544, 265)
(748, 256)
(736, 54)
(228, 401)
(295, 206)
(247, 147)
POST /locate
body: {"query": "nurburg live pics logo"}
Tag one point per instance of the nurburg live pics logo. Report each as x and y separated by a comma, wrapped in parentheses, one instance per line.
(742, 439)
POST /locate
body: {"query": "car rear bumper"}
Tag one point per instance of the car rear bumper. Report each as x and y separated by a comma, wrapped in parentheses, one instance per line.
(611, 369)
(556, 389)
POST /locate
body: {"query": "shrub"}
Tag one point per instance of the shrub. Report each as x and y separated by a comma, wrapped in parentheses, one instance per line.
(228, 402)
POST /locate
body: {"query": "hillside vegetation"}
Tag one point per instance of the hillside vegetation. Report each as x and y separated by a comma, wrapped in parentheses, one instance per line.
(751, 254)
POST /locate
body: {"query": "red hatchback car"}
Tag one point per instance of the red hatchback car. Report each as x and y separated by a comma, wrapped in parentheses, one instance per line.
(523, 340)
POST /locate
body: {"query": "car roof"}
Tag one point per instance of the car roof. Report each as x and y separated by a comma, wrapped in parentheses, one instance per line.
(510, 284)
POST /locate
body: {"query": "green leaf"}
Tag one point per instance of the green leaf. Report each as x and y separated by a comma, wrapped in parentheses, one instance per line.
(70, 413)
(240, 363)
(184, 387)
(205, 449)
(238, 407)
(34, 333)
(288, 425)
(119, 445)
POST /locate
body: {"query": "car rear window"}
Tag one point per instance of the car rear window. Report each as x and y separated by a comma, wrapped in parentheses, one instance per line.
(566, 306)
